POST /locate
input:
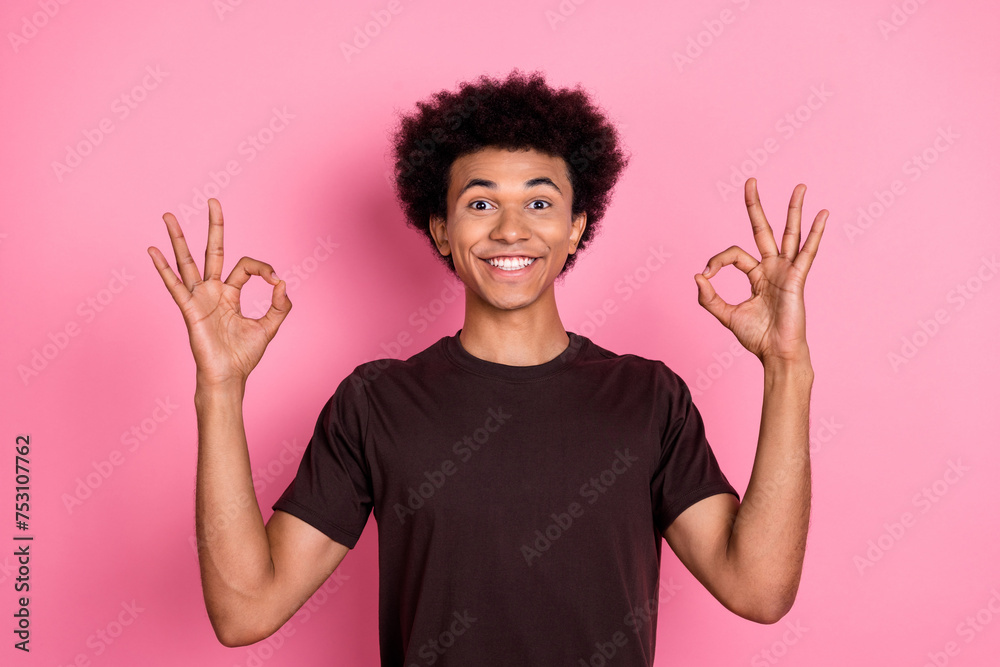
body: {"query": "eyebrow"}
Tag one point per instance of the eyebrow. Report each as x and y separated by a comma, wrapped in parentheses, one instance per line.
(482, 182)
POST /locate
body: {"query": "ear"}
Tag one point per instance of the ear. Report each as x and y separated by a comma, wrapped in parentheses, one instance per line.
(579, 224)
(439, 231)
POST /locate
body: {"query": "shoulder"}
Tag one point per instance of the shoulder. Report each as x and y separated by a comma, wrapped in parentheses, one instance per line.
(636, 367)
(419, 364)
(360, 389)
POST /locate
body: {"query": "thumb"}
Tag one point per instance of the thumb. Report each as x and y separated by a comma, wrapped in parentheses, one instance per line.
(710, 300)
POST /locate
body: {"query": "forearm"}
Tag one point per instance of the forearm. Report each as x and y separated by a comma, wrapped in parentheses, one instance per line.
(233, 548)
(767, 543)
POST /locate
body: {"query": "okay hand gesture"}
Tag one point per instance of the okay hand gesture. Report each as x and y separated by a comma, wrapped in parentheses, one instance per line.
(226, 345)
(772, 322)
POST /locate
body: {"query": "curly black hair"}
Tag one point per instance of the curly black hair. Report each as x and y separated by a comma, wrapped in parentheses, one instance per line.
(519, 112)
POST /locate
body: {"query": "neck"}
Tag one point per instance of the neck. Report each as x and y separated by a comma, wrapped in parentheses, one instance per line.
(526, 336)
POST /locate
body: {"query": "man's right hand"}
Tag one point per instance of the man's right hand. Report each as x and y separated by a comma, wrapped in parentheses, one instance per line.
(226, 345)
(254, 576)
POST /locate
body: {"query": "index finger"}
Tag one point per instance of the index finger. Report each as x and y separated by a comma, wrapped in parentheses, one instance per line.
(185, 262)
(213, 249)
(174, 285)
(761, 229)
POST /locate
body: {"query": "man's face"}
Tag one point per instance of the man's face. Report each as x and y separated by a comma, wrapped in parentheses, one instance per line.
(510, 226)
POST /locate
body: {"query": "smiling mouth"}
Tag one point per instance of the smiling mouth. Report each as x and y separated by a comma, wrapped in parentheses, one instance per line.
(511, 263)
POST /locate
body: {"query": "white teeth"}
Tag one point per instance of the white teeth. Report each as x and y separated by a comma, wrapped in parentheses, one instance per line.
(511, 264)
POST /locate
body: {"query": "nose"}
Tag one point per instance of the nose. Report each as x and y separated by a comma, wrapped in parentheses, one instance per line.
(511, 227)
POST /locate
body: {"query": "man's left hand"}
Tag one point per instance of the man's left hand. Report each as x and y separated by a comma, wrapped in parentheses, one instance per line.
(772, 322)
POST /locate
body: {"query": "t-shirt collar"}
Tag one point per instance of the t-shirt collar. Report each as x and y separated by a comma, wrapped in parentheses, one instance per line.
(454, 350)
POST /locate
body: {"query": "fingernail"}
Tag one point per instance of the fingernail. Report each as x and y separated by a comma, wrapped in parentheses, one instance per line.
(705, 272)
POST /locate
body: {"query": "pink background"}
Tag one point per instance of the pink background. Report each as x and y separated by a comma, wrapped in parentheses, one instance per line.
(892, 576)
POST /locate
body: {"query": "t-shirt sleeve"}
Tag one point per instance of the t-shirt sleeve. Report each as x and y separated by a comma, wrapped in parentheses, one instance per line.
(332, 489)
(687, 470)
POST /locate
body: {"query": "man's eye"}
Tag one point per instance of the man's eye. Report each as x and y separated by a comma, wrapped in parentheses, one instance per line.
(476, 205)
(544, 203)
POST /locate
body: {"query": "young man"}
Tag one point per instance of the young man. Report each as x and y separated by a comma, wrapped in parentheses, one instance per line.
(522, 477)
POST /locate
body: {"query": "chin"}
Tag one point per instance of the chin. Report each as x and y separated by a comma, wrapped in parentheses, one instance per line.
(514, 303)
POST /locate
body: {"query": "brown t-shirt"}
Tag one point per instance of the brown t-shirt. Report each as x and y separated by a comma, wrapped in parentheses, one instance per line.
(520, 509)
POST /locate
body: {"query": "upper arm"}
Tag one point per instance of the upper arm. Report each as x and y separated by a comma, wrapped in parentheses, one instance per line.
(700, 537)
(303, 558)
